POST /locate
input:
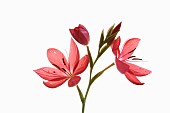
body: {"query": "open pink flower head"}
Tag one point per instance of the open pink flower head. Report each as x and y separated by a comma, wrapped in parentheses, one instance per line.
(80, 34)
(65, 70)
(131, 71)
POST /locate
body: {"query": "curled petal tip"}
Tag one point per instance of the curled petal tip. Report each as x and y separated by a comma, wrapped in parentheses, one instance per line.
(133, 79)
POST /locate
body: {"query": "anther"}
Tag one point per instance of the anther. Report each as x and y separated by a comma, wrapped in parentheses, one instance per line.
(131, 57)
(63, 69)
(63, 61)
(136, 59)
(56, 66)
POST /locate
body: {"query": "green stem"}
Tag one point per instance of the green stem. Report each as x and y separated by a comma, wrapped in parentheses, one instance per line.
(91, 69)
(90, 84)
(83, 106)
(88, 88)
(112, 64)
(90, 79)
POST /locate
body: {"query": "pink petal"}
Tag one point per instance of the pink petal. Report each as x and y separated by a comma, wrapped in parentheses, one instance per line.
(121, 66)
(129, 47)
(48, 73)
(54, 84)
(74, 81)
(132, 78)
(75, 34)
(74, 56)
(137, 70)
(72, 32)
(115, 46)
(57, 58)
(83, 35)
(82, 65)
(81, 26)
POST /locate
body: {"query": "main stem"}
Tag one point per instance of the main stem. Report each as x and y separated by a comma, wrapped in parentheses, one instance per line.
(88, 88)
(89, 85)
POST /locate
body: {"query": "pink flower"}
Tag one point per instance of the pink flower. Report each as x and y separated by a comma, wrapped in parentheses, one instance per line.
(80, 34)
(131, 71)
(64, 70)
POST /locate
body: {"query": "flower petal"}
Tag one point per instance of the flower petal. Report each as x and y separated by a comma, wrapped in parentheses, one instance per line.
(121, 66)
(48, 73)
(75, 34)
(132, 78)
(54, 84)
(115, 46)
(74, 81)
(57, 58)
(129, 47)
(74, 56)
(84, 34)
(82, 65)
(81, 26)
(137, 70)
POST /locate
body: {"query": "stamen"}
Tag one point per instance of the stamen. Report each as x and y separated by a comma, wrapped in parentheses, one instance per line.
(56, 66)
(132, 50)
(136, 59)
(63, 69)
(131, 57)
(63, 61)
(67, 73)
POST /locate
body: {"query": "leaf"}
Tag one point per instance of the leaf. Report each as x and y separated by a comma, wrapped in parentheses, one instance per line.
(100, 73)
(103, 49)
(110, 31)
(111, 37)
(80, 94)
(101, 39)
(90, 57)
(96, 76)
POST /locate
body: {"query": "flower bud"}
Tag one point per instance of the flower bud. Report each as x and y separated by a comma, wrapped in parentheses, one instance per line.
(80, 34)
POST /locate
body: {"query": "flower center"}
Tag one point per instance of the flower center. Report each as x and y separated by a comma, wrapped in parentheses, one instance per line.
(63, 69)
(67, 73)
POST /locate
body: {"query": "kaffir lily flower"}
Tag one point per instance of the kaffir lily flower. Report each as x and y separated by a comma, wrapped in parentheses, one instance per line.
(64, 70)
(131, 71)
(80, 34)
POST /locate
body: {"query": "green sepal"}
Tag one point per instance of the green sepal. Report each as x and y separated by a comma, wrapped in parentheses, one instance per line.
(90, 57)
(80, 94)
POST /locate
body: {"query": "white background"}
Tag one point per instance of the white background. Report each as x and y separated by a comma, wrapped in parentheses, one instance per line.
(29, 28)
